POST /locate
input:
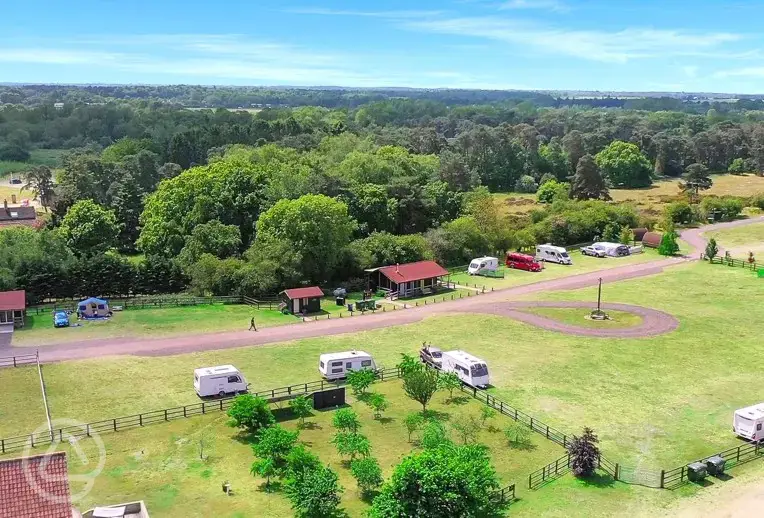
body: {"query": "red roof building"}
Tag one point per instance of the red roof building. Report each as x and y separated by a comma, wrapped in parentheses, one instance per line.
(14, 216)
(302, 300)
(406, 280)
(35, 487)
(13, 305)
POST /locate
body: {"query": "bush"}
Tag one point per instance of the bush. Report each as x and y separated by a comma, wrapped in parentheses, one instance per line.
(346, 420)
(526, 184)
(378, 403)
(351, 444)
(738, 166)
(757, 201)
(413, 423)
(367, 474)
(724, 209)
(552, 191)
(314, 493)
(360, 380)
(679, 212)
(250, 413)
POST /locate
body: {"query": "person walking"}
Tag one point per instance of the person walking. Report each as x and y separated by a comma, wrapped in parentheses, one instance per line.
(252, 324)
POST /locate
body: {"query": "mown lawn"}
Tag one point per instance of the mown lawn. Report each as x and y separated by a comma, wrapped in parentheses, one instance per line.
(739, 240)
(48, 157)
(655, 402)
(161, 464)
(577, 317)
(21, 406)
(138, 322)
(581, 264)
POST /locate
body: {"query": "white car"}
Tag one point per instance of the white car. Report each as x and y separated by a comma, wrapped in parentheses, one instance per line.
(594, 251)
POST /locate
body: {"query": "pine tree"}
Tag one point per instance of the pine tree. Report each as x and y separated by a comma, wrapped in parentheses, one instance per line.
(584, 454)
(588, 183)
(696, 179)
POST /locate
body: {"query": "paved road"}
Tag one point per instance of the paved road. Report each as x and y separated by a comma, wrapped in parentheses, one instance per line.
(192, 343)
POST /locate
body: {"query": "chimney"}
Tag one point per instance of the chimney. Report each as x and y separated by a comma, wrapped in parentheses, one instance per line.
(5, 205)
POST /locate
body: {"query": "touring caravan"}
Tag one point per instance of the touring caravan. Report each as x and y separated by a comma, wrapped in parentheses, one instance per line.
(335, 366)
(219, 381)
(553, 254)
(748, 422)
(483, 264)
(471, 370)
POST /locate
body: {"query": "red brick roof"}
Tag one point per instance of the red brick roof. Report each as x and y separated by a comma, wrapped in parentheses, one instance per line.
(304, 293)
(413, 271)
(13, 300)
(35, 487)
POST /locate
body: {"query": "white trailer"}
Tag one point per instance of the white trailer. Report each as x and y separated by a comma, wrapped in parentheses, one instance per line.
(482, 265)
(553, 254)
(748, 422)
(334, 366)
(471, 370)
(219, 381)
(612, 249)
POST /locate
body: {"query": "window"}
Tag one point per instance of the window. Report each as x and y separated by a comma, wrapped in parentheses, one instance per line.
(14, 214)
(101, 306)
(366, 363)
(758, 427)
(479, 369)
(437, 354)
(196, 378)
(337, 371)
(337, 364)
(321, 364)
(234, 379)
(349, 365)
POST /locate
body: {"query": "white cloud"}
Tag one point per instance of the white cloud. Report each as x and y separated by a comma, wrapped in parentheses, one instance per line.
(615, 47)
(48, 56)
(741, 72)
(371, 14)
(546, 5)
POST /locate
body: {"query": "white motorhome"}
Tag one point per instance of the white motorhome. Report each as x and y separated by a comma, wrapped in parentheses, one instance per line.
(748, 422)
(471, 370)
(612, 249)
(219, 381)
(483, 264)
(553, 254)
(334, 366)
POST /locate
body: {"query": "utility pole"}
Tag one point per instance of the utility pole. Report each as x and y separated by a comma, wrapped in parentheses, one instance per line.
(599, 297)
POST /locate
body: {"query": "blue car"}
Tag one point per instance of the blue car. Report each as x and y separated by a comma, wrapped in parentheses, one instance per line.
(60, 319)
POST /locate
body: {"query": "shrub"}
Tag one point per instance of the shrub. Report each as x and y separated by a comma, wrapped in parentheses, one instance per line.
(725, 209)
(467, 427)
(351, 444)
(626, 236)
(518, 434)
(552, 191)
(250, 413)
(367, 474)
(584, 454)
(434, 435)
(449, 381)
(757, 201)
(315, 493)
(413, 423)
(711, 249)
(301, 407)
(378, 402)
(679, 212)
(526, 184)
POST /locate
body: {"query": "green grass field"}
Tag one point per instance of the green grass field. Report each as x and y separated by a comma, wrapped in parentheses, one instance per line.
(655, 402)
(581, 264)
(25, 411)
(137, 322)
(162, 466)
(740, 239)
(577, 317)
(48, 157)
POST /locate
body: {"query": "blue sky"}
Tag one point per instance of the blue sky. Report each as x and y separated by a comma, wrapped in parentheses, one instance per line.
(624, 45)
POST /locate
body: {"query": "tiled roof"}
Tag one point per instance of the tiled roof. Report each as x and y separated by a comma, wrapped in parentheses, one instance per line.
(12, 300)
(304, 293)
(17, 213)
(413, 271)
(35, 487)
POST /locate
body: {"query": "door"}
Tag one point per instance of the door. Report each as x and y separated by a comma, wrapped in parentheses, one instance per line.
(296, 306)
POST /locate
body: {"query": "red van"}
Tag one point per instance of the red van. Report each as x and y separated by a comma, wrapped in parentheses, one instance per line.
(523, 262)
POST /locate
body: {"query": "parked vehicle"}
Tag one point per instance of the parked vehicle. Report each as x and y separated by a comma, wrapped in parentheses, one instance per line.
(60, 319)
(636, 250)
(471, 370)
(522, 262)
(431, 355)
(613, 249)
(482, 265)
(594, 251)
(749, 421)
(219, 381)
(333, 366)
(553, 254)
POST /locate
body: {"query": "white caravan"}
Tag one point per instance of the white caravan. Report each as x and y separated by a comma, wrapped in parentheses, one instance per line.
(553, 254)
(748, 422)
(471, 370)
(612, 249)
(483, 264)
(337, 365)
(219, 381)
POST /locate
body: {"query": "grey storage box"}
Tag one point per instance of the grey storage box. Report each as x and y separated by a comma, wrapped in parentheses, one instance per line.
(696, 472)
(715, 465)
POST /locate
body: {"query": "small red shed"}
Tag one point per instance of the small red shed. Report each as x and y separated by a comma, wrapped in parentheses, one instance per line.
(13, 306)
(302, 300)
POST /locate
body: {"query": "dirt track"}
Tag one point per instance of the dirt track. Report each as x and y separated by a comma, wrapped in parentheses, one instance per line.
(654, 322)
(213, 341)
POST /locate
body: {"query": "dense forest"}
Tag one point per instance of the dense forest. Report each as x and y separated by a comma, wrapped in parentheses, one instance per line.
(326, 183)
